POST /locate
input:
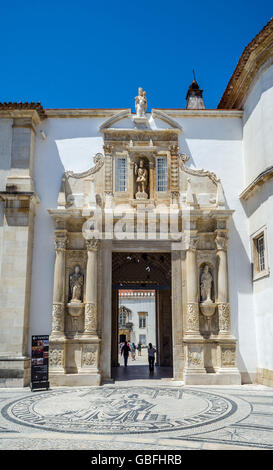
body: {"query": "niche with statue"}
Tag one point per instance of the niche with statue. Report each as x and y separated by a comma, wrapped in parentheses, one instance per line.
(141, 178)
(75, 305)
(207, 297)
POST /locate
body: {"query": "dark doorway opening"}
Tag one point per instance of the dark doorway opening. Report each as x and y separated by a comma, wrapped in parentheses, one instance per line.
(141, 290)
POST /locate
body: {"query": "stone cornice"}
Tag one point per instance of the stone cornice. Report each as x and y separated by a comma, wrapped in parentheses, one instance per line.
(28, 114)
(254, 56)
(35, 111)
(203, 113)
(82, 113)
(260, 180)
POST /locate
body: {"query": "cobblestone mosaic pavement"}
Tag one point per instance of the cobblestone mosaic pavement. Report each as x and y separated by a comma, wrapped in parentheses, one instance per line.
(138, 415)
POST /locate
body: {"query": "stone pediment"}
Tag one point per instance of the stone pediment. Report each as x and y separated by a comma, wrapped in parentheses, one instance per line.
(125, 122)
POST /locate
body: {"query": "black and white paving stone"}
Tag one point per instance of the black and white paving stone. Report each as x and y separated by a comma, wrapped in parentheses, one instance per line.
(137, 416)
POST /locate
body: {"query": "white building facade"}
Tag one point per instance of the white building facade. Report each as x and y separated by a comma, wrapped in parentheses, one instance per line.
(213, 168)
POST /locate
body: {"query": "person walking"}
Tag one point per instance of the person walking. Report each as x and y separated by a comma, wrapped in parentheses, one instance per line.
(151, 357)
(133, 351)
(125, 352)
(139, 349)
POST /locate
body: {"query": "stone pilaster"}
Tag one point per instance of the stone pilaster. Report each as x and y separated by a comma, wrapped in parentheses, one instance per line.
(15, 287)
(91, 320)
(22, 153)
(223, 304)
(192, 313)
(152, 179)
(59, 286)
(108, 175)
(174, 168)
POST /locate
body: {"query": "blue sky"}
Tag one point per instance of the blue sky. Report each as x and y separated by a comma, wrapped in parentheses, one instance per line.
(91, 54)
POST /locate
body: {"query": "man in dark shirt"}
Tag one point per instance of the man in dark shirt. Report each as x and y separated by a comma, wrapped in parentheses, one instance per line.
(125, 352)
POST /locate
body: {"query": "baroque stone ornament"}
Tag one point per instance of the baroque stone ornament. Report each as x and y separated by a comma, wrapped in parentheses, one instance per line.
(224, 318)
(89, 356)
(58, 318)
(193, 317)
(99, 162)
(221, 242)
(92, 244)
(56, 357)
(90, 323)
(228, 356)
(60, 244)
(195, 359)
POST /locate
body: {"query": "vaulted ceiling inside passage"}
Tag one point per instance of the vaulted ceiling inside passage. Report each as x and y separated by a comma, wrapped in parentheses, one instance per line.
(142, 268)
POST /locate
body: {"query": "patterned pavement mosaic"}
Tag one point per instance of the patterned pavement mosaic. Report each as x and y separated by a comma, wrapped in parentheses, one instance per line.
(138, 415)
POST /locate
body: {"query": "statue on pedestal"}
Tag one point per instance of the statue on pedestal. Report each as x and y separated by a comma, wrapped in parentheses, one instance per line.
(141, 103)
(206, 285)
(76, 285)
(141, 180)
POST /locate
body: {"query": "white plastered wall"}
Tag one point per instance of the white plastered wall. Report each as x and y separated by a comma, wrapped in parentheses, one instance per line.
(258, 156)
(212, 143)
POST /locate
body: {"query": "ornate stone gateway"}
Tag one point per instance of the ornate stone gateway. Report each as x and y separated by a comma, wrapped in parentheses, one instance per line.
(141, 197)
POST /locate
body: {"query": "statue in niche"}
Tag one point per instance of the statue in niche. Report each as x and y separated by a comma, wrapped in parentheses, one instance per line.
(206, 285)
(76, 285)
(141, 103)
(141, 179)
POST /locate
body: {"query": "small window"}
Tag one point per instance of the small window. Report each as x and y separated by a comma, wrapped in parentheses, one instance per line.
(260, 253)
(142, 339)
(121, 172)
(142, 321)
(122, 318)
(161, 174)
(259, 250)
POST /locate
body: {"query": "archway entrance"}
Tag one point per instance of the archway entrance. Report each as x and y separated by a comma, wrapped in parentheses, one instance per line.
(141, 312)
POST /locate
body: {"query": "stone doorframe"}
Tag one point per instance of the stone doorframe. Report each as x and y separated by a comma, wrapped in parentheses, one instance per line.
(108, 247)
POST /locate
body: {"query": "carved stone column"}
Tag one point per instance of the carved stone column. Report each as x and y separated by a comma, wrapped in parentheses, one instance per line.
(58, 289)
(91, 321)
(108, 175)
(192, 315)
(223, 304)
(152, 179)
(174, 173)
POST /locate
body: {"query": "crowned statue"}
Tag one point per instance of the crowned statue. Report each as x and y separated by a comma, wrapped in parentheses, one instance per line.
(141, 103)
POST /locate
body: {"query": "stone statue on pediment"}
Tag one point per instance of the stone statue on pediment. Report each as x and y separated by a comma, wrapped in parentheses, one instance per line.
(141, 103)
